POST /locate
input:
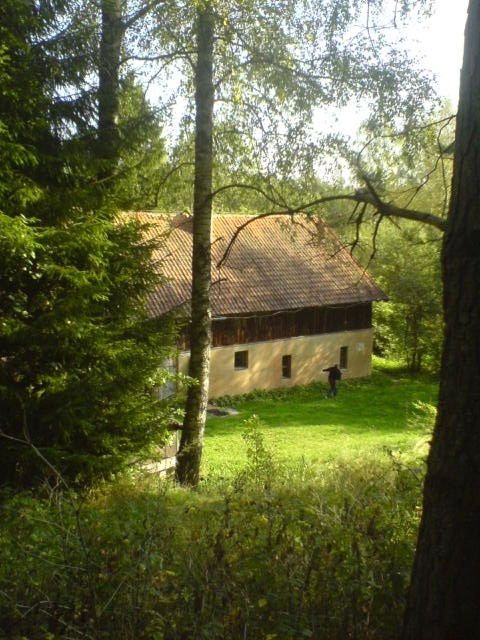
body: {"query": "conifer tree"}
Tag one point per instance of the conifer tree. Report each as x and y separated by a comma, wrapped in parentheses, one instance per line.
(78, 353)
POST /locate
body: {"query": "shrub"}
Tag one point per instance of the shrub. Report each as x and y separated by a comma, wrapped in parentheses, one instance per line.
(268, 555)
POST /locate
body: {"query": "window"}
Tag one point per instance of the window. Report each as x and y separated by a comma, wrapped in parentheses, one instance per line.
(343, 357)
(168, 386)
(286, 366)
(241, 360)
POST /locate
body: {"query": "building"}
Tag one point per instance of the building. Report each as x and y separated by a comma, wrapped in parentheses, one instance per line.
(288, 300)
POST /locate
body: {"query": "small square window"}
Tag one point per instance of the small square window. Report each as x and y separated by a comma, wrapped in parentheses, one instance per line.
(343, 357)
(286, 366)
(241, 360)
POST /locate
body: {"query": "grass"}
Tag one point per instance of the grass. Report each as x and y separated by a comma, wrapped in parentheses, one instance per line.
(264, 553)
(388, 411)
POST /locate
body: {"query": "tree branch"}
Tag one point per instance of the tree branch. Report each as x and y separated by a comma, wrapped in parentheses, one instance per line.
(130, 21)
(389, 210)
(367, 197)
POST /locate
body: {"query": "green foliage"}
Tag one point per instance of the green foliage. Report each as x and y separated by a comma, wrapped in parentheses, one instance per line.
(325, 558)
(77, 348)
(402, 255)
(260, 468)
(414, 172)
(78, 353)
(280, 69)
(410, 324)
(143, 154)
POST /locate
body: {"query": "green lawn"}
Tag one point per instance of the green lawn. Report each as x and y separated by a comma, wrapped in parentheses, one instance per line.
(386, 411)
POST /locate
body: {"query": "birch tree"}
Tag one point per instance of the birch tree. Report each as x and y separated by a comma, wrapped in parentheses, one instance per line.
(189, 457)
(259, 77)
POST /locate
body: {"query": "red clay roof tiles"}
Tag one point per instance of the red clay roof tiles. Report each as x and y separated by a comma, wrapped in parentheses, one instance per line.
(275, 263)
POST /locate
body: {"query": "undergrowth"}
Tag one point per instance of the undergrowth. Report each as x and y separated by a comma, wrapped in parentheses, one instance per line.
(272, 553)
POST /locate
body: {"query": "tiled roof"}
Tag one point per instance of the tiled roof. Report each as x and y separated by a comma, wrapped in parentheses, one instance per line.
(276, 263)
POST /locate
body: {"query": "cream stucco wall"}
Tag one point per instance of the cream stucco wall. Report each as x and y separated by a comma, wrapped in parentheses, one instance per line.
(309, 355)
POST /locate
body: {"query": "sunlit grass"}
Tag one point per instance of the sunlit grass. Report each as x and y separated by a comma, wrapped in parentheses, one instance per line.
(388, 412)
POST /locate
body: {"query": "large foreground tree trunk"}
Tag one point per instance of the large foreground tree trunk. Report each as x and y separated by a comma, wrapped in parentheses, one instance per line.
(190, 454)
(444, 596)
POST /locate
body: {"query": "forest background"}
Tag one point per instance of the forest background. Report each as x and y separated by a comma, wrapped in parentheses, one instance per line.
(79, 142)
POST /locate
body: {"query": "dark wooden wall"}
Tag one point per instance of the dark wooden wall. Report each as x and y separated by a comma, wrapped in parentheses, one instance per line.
(304, 322)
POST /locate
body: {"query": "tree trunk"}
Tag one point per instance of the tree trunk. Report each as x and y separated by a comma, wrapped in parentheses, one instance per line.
(190, 453)
(109, 85)
(444, 595)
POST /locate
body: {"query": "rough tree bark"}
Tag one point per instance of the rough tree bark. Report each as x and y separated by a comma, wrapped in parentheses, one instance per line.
(114, 26)
(444, 595)
(190, 453)
(111, 40)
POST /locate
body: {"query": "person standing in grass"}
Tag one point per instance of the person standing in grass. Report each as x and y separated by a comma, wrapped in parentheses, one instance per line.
(334, 374)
